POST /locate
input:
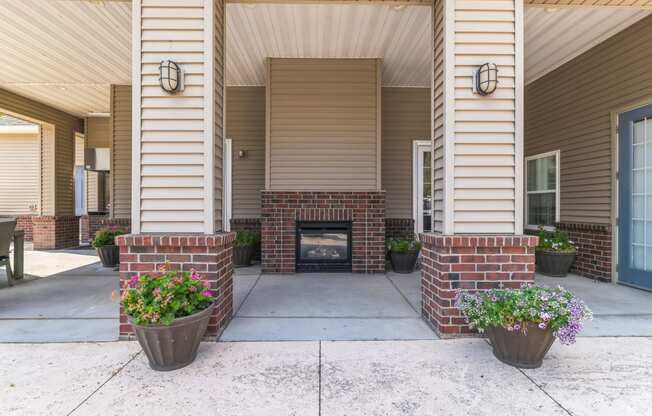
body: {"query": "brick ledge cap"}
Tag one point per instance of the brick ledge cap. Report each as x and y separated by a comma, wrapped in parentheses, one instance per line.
(176, 240)
(438, 240)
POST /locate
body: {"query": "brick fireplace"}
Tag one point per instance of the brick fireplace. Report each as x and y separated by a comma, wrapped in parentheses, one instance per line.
(282, 212)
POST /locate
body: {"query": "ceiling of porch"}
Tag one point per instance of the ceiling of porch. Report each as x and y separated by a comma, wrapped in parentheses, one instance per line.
(67, 53)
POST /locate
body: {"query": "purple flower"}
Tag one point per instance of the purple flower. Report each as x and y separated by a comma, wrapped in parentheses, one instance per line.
(207, 293)
(542, 325)
(517, 327)
(133, 281)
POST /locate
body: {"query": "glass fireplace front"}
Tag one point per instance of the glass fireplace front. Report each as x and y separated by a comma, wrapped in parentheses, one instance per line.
(323, 246)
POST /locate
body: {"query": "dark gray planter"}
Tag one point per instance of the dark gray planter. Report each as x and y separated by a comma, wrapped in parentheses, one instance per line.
(109, 255)
(243, 255)
(403, 262)
(554, 264)
(170, 347)
(521, 350)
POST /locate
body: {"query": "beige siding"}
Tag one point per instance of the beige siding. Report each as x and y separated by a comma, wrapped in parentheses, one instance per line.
(219, 29)
(19, 174)
(405, 118)
(482, 139)
(120, 136)
(177, 138)
(80, 144)
(58, 150)
(245, 126)
(437, 114)
(98, 134)
(570, 110)
(324, 126)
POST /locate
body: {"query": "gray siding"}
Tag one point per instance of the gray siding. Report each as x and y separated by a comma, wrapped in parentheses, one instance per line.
(570, 110)
(406, 117)
(324, 127)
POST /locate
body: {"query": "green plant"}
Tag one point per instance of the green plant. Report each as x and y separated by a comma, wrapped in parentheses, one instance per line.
(163, 298)
(106, 236)
(247, 238)
(556, 241)
(554, 308)
(403, 245)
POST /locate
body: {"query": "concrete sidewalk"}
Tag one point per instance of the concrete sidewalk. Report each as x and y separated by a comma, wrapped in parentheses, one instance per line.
(597, 376)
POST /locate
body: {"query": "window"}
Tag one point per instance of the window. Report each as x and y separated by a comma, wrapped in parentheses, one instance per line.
(542, 193)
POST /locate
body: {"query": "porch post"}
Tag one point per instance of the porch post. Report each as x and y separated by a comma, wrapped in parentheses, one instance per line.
(478, 159)
(176, 188)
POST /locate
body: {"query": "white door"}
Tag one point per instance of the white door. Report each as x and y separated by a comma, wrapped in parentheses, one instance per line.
(422, 186)
(228, 172)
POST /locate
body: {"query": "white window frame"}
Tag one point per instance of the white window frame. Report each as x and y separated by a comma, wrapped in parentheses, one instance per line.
(557, 154)
(417, 191)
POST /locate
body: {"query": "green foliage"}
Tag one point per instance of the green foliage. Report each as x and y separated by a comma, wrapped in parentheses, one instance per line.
(106, 236)
(556, 241)
(403, 245)
(161, 299)
(247, 238)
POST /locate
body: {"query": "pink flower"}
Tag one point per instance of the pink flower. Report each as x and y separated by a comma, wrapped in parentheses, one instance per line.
(194, 275)
(206, 284)
(133, 281)
(207, 293)
(157, 292)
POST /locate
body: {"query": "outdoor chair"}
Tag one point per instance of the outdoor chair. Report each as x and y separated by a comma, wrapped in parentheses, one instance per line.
(7, 227)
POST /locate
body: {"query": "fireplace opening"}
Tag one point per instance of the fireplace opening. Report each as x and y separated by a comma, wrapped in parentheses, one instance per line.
(323, 247)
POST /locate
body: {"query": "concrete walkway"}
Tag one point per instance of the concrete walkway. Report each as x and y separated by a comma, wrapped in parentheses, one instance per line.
(605, 376)
(316, 306)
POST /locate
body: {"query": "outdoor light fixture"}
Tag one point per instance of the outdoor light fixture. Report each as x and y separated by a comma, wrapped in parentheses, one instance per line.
(242, 154)
(170, 76)
(485, 79)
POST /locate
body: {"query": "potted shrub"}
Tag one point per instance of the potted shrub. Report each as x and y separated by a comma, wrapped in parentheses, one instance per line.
(244, 247)
(555, 253)
(104, 243)
(169, 313)
(403, 254)
(522, 324)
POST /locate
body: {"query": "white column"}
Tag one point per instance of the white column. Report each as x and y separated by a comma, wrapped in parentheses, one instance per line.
(177, 138)
(478, 140)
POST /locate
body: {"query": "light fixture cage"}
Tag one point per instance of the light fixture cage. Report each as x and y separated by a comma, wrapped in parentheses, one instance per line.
(486, 79)
(169, 76)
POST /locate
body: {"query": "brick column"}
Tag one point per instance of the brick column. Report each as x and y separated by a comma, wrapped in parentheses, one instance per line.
(452, 264)
(55, 231)
(210, 255)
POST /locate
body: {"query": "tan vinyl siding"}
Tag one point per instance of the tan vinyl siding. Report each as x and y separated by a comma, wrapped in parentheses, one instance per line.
(570, 110)
(219, 61)
(80, 144)
(98, 135)
(19, 174)
(58, 150)
(405, 118)
(437, 112)
(324, 127)
(120, 125)
(484, 134)
(245, 126)
(172, 143)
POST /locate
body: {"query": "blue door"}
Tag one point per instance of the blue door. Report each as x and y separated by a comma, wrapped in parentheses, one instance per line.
(635, 198)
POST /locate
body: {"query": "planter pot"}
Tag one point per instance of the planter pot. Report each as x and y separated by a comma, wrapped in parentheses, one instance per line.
(109, 255)
(243, 255)
(404, 262)
(174, 346)
(518, 349)
(554, 264)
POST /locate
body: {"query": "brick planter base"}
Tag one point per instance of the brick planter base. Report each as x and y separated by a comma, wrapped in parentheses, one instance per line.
(90, 224)
(452, 264)
(53, 232)
(24, 222)
(210, 255)
(281, 211)
(594, 251)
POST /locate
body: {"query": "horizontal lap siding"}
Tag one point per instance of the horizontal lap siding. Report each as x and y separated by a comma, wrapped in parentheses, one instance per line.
(405, 118)
(121, 151)
(438, 116)
(219, 110)
(58, 150)
(570, 110)
(19, 174)
(323, 124)
(97, 135)
(484, 127)
(172, 126)
(245, 126)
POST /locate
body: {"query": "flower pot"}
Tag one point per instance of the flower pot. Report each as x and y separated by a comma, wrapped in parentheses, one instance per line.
(518, 349)
(170, 347)
(554, 264)
(243, 255)
(403, 262)
(109, 255)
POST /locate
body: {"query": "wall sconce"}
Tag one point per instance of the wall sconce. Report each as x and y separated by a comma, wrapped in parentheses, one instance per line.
(485, 79)
(242, 154)
(170, 76)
